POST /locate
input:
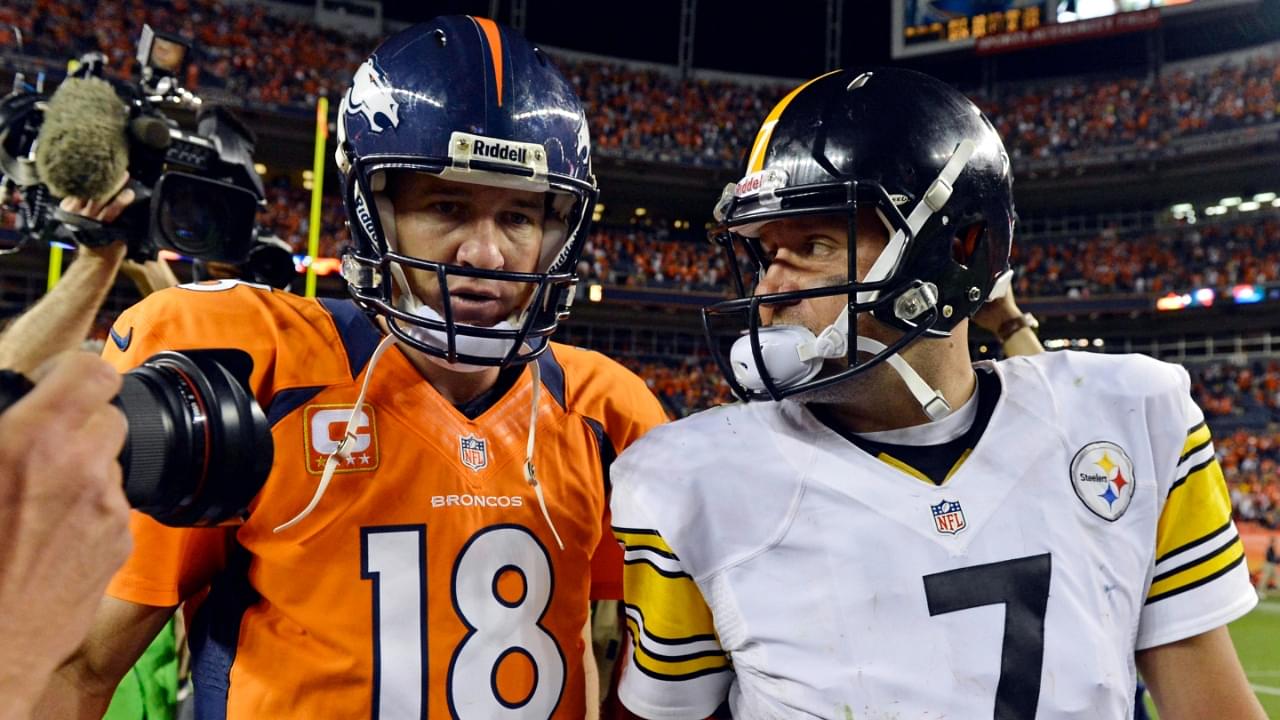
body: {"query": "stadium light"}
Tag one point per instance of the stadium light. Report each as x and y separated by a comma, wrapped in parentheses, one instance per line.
(1230, 201)
(641, 212)
(1182, 208)
(599, 208)
(1275, 203)
(260, 168)
(1098, 342)
(595, 292)
(1265, 197)
(1249, 206)
(1246, 294)
(308, 175)
(1215, 210)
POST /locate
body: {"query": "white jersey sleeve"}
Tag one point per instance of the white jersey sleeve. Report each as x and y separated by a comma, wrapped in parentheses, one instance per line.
(675, 667)
(1200, 580)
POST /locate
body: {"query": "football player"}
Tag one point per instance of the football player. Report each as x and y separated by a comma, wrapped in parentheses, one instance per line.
(886, 528)
(417, 550)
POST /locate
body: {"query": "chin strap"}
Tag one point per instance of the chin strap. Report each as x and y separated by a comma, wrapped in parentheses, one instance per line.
(833, 342)
(343, 451)
(935, 406)
(530, 473)
(932, 201)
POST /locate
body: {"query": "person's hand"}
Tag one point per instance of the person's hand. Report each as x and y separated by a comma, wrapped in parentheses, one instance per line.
(997, 312)
(105, 211)
(63, 514)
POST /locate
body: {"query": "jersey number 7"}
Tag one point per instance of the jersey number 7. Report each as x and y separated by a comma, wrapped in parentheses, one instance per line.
(1022, 585)
(502, 626)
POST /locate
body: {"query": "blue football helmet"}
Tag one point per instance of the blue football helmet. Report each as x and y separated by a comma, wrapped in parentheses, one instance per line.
(471, 101)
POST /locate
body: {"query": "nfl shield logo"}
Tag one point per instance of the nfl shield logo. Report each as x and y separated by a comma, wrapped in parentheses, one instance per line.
(474, 452)
(948, 517)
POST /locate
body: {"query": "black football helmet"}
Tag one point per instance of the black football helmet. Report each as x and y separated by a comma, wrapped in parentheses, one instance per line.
(936, 172)
(470, 101)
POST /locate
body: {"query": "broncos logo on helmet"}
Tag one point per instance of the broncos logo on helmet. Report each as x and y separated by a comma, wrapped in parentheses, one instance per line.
(370, 95)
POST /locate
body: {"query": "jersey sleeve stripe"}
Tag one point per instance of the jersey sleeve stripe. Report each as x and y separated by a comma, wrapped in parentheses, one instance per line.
(637, 615)
(666, 571)
(1200, 507)
(650, 550)
(1215, 533)
(1188, 452)
(1207, 557)
(1196, 434)
(672, 667)
(1197, 468)
(1227, 563)
(674, 606)
(650, 539)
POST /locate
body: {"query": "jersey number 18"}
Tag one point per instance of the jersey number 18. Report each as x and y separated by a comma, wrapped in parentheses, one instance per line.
(501, 587)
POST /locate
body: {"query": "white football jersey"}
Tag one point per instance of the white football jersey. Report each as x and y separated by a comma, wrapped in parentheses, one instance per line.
(772, 561)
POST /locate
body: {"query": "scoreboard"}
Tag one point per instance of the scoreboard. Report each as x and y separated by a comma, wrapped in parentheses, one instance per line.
(923, 27)
(933, 26)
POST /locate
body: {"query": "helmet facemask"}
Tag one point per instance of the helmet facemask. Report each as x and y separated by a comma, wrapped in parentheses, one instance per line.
(900, 289)
(777, 361)
(378, 279)
(468, 101)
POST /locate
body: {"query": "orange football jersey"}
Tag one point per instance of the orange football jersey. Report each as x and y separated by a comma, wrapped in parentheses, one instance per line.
(426, 582)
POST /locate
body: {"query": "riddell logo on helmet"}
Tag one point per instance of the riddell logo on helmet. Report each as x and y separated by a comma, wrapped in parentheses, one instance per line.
(363, 216)
(499, 151)
(760, 182)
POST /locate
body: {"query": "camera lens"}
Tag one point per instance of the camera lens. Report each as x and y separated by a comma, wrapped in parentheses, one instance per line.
(203, 218)
(199, 447)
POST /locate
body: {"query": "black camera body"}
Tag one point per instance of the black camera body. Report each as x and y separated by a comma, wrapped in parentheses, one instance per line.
(196, 193)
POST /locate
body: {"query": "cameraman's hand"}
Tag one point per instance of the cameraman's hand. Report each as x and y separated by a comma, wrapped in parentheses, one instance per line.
(105, 211)
(62, 318)
(63, 515)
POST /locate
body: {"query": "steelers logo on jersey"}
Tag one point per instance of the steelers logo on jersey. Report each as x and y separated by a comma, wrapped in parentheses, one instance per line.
(1102, 475)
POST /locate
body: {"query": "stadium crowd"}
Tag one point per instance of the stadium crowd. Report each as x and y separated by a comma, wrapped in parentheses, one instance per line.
(1048, 119)
(242, 49)
(264, 60)
(1245, 250)
(1219, 255)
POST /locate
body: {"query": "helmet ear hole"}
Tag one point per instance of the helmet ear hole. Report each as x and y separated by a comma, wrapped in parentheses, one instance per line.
(965, 242)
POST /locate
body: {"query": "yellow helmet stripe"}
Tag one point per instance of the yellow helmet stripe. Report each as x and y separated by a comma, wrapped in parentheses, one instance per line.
(756, 161)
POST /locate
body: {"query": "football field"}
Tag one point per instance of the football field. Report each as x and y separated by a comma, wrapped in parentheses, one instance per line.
(1257, 639)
